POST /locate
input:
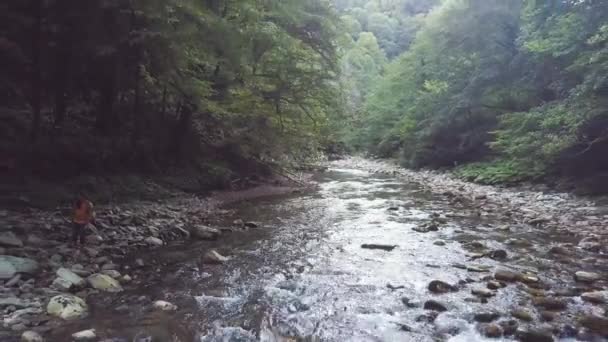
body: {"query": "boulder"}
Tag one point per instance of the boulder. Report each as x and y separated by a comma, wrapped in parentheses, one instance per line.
(112, 273)
(438, 286)
(522, 314)
(483, 292)
(205, 233)
(499, 254)
(597, 297)
(213, 257)
(71, 277)
(153, 241)
(508, 276)
(586, 277)
(67, 307)
(9, 239)
(596, 324)
(85, 335)
(490, 330)
(434, 305)
(31, 336)
(486, 317)
(104, 283)
(533, 336)
(550, 303)
(164, 306)
(10, 265)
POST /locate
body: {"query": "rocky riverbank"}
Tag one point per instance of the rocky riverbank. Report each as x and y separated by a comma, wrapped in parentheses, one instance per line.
(44, 281)
(551, 255)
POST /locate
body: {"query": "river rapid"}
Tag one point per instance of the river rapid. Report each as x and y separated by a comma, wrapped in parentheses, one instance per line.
(303, 275)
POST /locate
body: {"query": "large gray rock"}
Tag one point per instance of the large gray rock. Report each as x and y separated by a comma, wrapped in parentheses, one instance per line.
(10, 265)
(67, 307)
(586, 277)
(104, 283)
(85, 335)
(31, 336)
(205, 233)
(153, 241)
(9, 239)
(70, 277)
(213, 257)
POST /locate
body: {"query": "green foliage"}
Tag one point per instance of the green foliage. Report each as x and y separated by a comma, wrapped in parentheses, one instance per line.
(522, 83)
(178, 80)
(497, 172)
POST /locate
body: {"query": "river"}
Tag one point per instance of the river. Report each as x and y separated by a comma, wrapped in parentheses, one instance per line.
(302, 274)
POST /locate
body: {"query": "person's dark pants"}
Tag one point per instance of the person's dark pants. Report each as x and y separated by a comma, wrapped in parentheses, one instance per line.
(78, 233)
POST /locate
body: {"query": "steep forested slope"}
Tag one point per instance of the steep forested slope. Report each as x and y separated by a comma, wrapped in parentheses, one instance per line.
(108, 85)
(520, 86)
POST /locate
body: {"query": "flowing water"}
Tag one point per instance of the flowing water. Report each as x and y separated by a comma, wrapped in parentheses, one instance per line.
(302, 275)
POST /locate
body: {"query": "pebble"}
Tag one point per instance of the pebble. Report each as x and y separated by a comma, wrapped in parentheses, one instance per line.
(482, 292)
(486, 317)
(550, 303)
(508, 276)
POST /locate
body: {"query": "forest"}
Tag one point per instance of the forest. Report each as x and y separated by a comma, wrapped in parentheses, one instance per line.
(498, 91)
(501, 91)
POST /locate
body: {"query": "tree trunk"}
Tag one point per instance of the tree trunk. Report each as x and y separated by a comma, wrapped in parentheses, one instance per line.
(36, 70)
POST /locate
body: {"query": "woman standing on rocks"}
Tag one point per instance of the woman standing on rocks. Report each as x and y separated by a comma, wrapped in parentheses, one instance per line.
(83, 215)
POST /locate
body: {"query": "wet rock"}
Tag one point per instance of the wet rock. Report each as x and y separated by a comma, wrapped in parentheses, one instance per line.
(251, 225)
(596, 324)
(93, 239)
(31, 336)
(410, 303)
(109, 266)
(559, 250)
(112, 273)
(486, 317)
(548, 316)
(483, 293)
(126, 279)
(205, 233)
(85, 335)
(490, 330)
(553, 304)
(597, 297)
(104, 283)
(498, 254)
(438, 286)
(154, 241)
(67, 307)
(508, 276)
(439, 243)
(434, 305)
(9, 239)
(62, 284)
(387, 248)
(393, 208)
(478, 268)
(213, 257)
(509, 327)
(139, 263)
(13, 281)
(164, 306)
(586, 277)
(533, 336)
(13, 301)
(10, 266)
(495, 285)
(522, 314)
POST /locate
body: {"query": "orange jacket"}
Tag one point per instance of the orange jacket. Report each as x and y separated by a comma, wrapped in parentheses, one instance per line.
(84, 214)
